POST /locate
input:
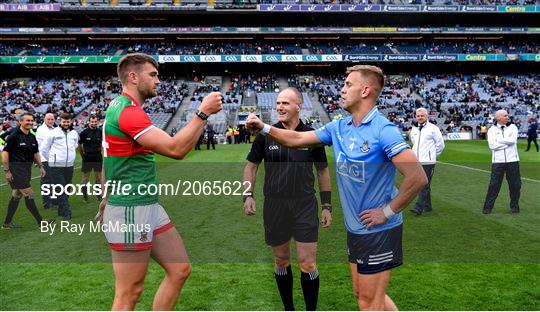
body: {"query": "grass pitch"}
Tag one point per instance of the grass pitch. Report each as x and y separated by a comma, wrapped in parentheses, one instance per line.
(455, 257)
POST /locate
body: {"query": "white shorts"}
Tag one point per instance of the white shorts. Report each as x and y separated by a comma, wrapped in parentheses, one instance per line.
(133, 227)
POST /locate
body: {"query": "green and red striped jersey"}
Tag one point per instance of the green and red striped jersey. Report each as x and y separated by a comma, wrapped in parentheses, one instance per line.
(125, 160)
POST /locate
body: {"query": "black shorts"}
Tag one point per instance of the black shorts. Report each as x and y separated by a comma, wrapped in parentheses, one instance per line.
(90, 163)
(376, 252)
(290, 218)
(22, 174)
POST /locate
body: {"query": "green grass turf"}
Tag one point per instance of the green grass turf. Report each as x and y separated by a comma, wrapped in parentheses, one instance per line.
(455, 257)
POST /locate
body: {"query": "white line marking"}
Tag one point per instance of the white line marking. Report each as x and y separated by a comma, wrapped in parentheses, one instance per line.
(481, 170)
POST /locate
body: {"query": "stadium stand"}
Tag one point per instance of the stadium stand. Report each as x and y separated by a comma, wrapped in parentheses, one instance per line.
(421, 46)
(453, 101)
(81, 98)
(40, 96)
(236, 4)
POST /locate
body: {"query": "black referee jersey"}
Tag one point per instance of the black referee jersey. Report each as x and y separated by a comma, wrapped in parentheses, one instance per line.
(21, 147)
(288, 171)
(90, 141)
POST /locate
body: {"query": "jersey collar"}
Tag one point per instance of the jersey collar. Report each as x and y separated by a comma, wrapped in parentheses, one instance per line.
(131, 98)
(368, 118)
(300, 125)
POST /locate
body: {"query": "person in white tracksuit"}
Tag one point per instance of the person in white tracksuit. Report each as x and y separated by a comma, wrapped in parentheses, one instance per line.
(61, 146)
(502, 140)
(428, 144)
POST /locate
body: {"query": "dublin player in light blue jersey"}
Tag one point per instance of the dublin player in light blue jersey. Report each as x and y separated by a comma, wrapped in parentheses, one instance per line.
(368, 149)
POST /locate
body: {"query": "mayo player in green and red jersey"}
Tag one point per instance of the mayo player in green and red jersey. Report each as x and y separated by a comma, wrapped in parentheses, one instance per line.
(129, 143)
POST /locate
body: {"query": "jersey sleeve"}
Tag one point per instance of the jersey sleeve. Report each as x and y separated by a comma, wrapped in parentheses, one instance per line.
(392, 141)
(82, 137)
(134, 122)
(36, 147)
(256, 154)
(325, 132)
(11, 143)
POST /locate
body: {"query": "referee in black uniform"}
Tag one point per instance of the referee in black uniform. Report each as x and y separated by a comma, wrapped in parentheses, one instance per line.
(290, 206)
(20, 152)
(90, 150)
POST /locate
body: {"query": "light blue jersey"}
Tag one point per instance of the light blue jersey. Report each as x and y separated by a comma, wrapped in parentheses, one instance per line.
(365, 173)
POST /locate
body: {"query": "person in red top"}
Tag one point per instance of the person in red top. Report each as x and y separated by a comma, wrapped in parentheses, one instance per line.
(130, 141)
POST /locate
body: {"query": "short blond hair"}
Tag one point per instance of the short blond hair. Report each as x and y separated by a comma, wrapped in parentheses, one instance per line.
(372, 73)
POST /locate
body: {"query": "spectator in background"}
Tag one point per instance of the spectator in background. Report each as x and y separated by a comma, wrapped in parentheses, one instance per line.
(61, 146)
(236, 135)
(532, 134)
(199, 141)
(428, 144)
(210, 140)
(483, 132)
(230, 134)
(42, 133)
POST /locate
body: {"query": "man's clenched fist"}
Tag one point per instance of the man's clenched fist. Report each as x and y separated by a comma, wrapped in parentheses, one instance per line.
(211, 104)
(253, 123)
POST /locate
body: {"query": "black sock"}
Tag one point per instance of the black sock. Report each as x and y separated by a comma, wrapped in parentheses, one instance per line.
(310, 288)
(284, 281)
(31, 206)
(98, 182)
(12, 208)
(84, 189)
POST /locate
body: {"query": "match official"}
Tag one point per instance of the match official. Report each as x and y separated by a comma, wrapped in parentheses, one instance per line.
(290, 206)
(42, 133)
(428, 144)
(90, 151)
(502, 140)
(368, 148)
(61, 147)
(20, 152)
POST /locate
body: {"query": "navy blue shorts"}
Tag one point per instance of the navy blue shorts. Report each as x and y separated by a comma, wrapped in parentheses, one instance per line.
(376, 252)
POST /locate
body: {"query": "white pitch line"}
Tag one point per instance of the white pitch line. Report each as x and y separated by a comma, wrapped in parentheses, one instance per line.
(481, 170)
(4, 184)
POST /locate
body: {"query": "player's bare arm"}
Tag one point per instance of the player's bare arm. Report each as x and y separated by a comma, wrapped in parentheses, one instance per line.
(250, 175)
(323, 177)
(288, 138)
(80, 150)
(5, 165)
(178, 147)
(414, 179)
(37, 161)
(104, 198)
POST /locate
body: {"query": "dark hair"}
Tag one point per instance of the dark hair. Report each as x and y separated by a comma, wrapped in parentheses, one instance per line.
(65, 116)
(21, 117)
(92, 117)
(133, 61)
